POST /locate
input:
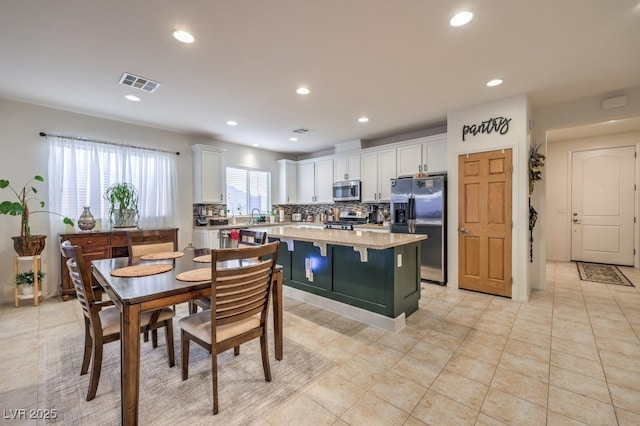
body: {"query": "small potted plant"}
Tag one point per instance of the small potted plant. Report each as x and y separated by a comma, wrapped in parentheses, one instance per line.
(25, 280)
(26, 244)
(123, 205)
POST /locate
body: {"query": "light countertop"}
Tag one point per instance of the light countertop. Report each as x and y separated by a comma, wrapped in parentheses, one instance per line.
(355, 238)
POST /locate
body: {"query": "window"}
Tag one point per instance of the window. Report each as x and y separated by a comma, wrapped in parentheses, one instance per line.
(80, 172)
(248, 189)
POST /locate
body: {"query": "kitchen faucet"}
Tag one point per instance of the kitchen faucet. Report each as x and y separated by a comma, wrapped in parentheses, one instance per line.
(259, 214)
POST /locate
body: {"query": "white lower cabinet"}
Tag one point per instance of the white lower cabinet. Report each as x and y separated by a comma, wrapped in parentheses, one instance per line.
(205, 238)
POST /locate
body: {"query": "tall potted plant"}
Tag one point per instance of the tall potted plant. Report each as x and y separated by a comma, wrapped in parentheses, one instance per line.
(26, 244)
(123, 205)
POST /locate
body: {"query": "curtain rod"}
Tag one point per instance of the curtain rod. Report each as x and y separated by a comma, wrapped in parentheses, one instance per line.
(44, 135)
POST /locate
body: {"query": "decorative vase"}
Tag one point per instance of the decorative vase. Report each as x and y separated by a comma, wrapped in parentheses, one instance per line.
(29, 246)
(86, 221)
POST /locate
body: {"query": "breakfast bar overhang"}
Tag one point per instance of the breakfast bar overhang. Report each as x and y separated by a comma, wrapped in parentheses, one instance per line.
(373, 277)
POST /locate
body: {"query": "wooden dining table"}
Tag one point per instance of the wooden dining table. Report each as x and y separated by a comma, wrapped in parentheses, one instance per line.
(134, 295)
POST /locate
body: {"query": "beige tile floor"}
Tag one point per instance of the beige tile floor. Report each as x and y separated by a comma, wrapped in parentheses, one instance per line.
(569, 356)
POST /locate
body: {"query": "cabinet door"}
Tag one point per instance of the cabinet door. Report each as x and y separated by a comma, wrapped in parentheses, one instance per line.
(346, 168)
(409, 159)
(369, 177)
(353, 167)
(306, 183)
(207, 180)
(214, 240)
(386, 172)
(200, 238)
(291, 190)
(324, 181)
(436, 154)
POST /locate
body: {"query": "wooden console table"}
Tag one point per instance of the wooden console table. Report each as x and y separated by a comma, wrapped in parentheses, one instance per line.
(104, 245)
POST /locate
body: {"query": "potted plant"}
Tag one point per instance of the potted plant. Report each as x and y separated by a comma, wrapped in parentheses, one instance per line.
(26, 244)
(25, 280)
(123, 205)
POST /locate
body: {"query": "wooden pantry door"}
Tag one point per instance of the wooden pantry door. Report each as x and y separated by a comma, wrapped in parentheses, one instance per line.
(484, 222)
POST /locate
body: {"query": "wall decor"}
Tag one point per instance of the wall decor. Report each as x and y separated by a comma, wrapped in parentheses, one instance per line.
(497, 124)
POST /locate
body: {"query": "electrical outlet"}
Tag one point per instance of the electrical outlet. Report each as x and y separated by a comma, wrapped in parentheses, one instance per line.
(400, 260)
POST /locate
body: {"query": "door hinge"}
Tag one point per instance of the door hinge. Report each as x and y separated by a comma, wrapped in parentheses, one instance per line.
(634, 219)
(512, 169)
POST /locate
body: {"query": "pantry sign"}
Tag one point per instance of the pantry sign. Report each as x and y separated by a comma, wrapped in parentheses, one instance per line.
(498, 125)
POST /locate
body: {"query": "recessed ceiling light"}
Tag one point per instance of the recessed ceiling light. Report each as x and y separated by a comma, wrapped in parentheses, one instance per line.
(363, 119)
(132, 98)
(293, 139)
(183, 36)
(232, 123)
(494, 82)
(256, 144)
(461, 18)
(303, 91)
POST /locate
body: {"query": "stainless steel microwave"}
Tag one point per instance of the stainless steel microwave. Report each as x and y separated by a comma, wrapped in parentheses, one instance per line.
(348, 190)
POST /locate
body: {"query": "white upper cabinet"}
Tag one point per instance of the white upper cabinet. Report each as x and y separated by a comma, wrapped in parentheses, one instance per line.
(377, 170)
(426, 155)
(208, 183)
(315, 181)
(346, 168)
(288, 182)
(324, 181)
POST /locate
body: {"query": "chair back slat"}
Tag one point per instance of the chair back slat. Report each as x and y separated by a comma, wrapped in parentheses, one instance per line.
(80, 275)
(244, 291)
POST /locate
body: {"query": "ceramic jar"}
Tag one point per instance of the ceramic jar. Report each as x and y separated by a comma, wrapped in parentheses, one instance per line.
(86, 221)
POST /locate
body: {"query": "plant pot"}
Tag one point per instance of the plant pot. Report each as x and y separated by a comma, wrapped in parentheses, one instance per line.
(125, 219)
(29, 246)
(26, 290)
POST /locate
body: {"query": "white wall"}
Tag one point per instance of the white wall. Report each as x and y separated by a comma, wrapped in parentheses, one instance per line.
(559, 116)
(558, 195)
(517, 109)
(25, 155)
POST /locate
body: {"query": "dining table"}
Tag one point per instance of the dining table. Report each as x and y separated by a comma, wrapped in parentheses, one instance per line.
(134, 295)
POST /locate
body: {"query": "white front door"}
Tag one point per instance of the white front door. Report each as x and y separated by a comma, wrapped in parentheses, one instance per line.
(602, 205)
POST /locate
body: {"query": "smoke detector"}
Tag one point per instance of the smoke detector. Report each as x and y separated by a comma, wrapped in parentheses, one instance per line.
(141, 83)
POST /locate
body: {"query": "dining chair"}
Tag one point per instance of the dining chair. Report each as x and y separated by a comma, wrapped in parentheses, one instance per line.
(102, 319)
(144, 242)
(250, 237)
(240, 296)
(247, 238)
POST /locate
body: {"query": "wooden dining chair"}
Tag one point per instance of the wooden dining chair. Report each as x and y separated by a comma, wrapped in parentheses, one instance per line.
(102, 319)
(241, 296)
(247, 238)
(144, 242)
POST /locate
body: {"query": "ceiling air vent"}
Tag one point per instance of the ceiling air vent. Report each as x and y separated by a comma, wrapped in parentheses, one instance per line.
(302, 131)
(139, 82)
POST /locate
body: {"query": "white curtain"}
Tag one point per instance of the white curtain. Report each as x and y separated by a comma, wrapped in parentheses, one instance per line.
(80, 172)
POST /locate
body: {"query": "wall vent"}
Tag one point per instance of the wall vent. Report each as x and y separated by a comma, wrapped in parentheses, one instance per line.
(302, 131)
(141, 83)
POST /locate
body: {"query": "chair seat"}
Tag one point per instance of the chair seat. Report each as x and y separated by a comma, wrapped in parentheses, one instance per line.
(110, 319)
(199, 326)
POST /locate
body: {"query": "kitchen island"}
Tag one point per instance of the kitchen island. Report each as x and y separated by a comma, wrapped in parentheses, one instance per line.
(372, 277)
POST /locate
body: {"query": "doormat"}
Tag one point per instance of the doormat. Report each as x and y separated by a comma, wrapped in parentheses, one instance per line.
(600, 273)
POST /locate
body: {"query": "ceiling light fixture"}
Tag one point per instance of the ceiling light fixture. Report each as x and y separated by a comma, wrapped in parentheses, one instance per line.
(293, 139)
(303, 91)
(132, 98)
(256, 144)
(363, 119)
(183, 36)
(494, 82)
(461, 18)
(232, 123)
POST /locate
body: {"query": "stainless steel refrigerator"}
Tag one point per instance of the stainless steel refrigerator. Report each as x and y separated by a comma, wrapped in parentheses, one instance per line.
(418, 206)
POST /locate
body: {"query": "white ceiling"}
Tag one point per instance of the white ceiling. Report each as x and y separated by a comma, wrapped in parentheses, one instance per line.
(398, 62)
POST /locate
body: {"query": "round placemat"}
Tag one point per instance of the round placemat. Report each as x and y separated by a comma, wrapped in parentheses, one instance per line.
(141, 270)
(203, 259)
(163, 255)
(202, 274)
